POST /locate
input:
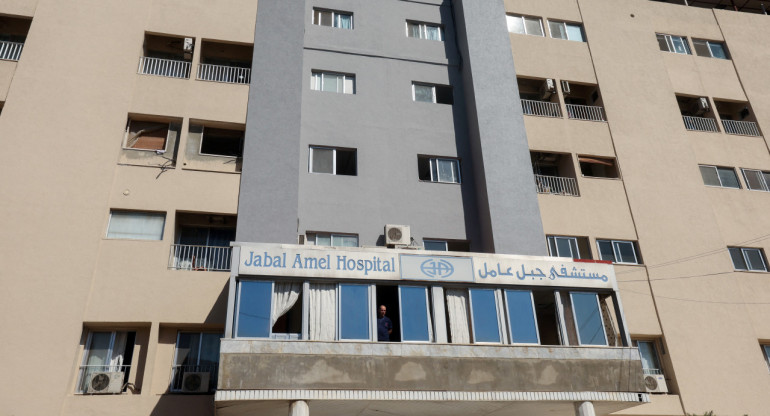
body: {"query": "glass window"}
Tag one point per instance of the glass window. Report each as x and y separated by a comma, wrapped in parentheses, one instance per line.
(563, 247)
(333, 82)
(588, 318)
(136, 225)
(253, 316)
(424, 93)
(445, 170)
(354, 312)
(618, 251)
(756, 179)
(719, 176)
(748, 259)
(331, 160)
(414, 313)
(525, 25)
(486, 326)
(334, 240)
(709, 48)
(435, 245)
(333, 18)
(673, 43)
(566, 31)
(650, 361)
(767, 354)
(521, 317)
(106, 352)
(196, 352)
(424, 31)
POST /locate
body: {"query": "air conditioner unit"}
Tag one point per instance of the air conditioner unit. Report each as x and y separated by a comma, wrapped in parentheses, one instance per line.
(187, 45)
(195, 382)
(565, 87)
(547, 89)
(105, 383)
(700, 106)
(655, 383)
(397, 235)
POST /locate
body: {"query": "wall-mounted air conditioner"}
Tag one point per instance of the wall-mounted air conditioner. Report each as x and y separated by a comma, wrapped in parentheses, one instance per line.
(565, 87)
(397, 235)
(655, 383)
(547, 89)
(107, 382)
(195, 382)
(700, 106)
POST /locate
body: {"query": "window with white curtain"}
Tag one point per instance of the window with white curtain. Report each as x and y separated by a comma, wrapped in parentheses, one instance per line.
(427, 31)
(333, 82)
(438, 169)
(106, 352)
(136, 225)
(333, 18)
(524, 25)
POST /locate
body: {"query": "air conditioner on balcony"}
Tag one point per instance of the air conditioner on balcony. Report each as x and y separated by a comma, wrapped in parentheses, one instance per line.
(108, 382)
(397, 235)
(565, 87)
(700, 106)
(655, 383)
(547, 89)
(195, 382)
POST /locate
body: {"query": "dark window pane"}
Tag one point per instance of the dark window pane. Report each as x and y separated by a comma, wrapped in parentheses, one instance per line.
(354, 312)
(754, 259)
(484, 313)
(709, 174)
(728, 177)
(521, 316)
(606, 252)
(346, 162)
(588, 319)
(435, 245)
(662, 42)
(423, 168)
(222, 142)
(414, 313)
(254, 309)
(444, 94)
(737, 256)
(625, 252)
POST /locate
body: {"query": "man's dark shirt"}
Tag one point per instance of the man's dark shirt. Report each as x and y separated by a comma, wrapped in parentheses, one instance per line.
(384, 325)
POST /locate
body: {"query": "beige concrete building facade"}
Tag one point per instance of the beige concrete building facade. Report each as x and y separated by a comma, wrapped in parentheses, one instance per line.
(186, 183)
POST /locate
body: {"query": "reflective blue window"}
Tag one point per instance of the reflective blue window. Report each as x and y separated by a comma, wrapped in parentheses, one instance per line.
(521, 317)
(484, 316)
(354, 312)
(588, 318)
(414, 313)
(253, 317)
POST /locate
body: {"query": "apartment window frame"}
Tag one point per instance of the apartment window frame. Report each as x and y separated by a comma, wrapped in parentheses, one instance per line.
(708, 46)
(341, 314)
(578, 322)
(745, 253)
(148, 215)
(517, 319)
(440, 94)
(766, 349)
(510, 18)
(422, 30)
(617, 254)
(203, 139)
(433, 163)
(126, 356)
(336, 18)
(126, 136)
(406, 324)
(649, 354)
(671, 42)
(564, 30)
(719, 170)
(335, 150)
(762, 177)
(312, 238)
(476, 321)
(318, 81)
(173, 388)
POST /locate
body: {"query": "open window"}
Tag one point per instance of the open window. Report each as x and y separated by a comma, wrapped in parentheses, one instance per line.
(539, 97)
(203, 241)
(225, 62)
(432, 93)
(737, 117)
(408, 310)
(106, 362)
(554, 173)
(566, 30)
(196, 361)
(332, 160)
(438, 169)
(583, 101)
(446, 245)
(598, 167)
(697, 113)
(167, 56)
(269, 309)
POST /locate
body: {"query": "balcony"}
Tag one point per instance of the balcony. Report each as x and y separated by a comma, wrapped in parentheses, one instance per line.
(164, 67)
(199, 258)
(556, 185)
(692, 123)
(10, 51)
(585, 112)
(181, 384)
(222, 73)
(540, 108)
(741, 128)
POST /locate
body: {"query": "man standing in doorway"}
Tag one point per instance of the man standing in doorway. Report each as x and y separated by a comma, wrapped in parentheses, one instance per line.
(384, 325)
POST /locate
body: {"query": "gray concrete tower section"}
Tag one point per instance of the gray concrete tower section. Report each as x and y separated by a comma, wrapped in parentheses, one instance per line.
(509, 215)
(268, 203)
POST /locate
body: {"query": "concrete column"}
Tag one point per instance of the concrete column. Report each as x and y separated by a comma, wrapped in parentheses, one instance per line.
(300, 408)
(583, 409)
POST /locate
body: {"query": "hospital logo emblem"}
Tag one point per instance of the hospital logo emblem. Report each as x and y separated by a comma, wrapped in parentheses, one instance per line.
(437, 268)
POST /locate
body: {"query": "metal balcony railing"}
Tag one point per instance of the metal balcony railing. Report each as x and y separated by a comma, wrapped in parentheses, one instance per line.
(178, 371)
(221, 73)
(540, 108)
(585, 112)
(10, 51)
(743, 128)
(87, 371)
(556, 185)
(202, 258)
(700, 124)
(164, 67)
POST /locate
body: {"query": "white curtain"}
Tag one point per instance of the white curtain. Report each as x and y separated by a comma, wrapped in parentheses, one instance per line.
(118, 349)
(322, 301)
(457, 308)
(285, 295)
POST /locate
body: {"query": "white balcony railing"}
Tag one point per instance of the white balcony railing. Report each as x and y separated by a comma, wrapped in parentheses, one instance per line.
(556, 185)
(10, 51)
(87, 371)
(540, 108)
(221, 73)
(164, 67)
(743, 128)
(203, 258)
(585, 112)
(700, 124)
(178, 372)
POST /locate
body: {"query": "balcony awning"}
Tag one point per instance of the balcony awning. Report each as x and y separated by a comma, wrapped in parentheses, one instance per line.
(605, 162)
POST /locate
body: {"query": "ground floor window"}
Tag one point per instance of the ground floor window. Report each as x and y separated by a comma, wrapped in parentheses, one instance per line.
(106, 362)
